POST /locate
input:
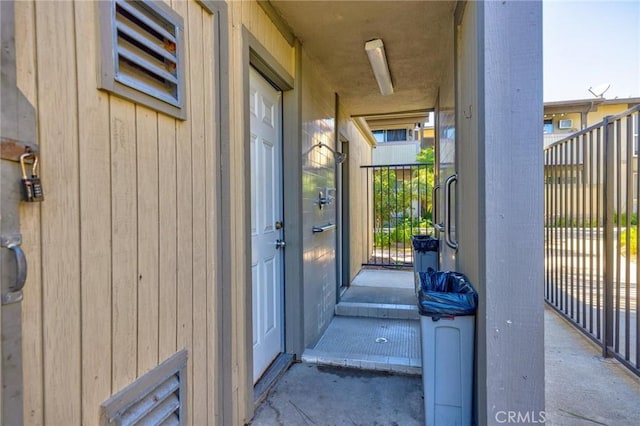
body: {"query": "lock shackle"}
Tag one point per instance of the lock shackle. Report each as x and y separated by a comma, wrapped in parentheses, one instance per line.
(22, 165)
(34, 167)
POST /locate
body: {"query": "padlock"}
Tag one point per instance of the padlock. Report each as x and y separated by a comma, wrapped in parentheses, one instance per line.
(26, 184)
(38, 195)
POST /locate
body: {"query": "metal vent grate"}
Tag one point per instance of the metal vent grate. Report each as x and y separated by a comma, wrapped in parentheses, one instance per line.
(142, 54)
(146, 50)
(156, 398)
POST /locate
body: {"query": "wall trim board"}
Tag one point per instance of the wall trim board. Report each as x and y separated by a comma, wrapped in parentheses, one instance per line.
(211, 6)
(223, 286)
(224, 282)
(262, 60)
(292, 175)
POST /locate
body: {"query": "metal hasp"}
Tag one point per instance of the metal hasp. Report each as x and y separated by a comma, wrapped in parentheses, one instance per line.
(12, 242)
(447, 211)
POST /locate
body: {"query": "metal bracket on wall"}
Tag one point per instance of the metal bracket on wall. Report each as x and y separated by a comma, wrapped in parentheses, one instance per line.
(322, 200)
(11, 149)
(12, 242)
(324, 228)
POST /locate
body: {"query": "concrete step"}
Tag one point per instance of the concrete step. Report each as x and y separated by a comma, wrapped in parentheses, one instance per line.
(377, 310)
(400, 365)
(379, 344)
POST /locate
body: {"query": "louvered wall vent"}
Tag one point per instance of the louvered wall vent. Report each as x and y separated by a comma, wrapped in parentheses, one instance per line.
(157, 398)
(142, 54)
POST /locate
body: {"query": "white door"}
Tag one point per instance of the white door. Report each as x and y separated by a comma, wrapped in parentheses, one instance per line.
(266, 223)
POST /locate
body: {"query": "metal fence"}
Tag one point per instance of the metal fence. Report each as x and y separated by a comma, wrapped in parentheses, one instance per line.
(591, 238)
(401, 206)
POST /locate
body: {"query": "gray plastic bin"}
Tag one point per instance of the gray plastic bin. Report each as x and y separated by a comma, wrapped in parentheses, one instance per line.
(447, 304)
(425, 256)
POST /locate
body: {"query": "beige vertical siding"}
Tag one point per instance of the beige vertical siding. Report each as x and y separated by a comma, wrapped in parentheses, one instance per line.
(30, 228)
(360, 213)
(122, 252)
(250, 16)
(58, 119)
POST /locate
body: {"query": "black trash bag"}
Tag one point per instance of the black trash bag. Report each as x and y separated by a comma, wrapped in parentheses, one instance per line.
(424, 243)
(445, 294)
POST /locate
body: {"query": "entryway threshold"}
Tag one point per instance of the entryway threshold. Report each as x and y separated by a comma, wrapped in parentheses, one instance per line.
(270, 377)
(377, 344)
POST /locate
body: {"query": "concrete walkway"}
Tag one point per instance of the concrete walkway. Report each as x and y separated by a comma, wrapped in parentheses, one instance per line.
(581, 387)
(321, 395)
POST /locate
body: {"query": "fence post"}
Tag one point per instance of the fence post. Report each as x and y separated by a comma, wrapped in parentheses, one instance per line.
(609, 185)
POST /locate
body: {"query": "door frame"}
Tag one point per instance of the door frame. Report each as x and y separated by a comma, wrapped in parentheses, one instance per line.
(343, 219)
(255, 55)
(265, 89)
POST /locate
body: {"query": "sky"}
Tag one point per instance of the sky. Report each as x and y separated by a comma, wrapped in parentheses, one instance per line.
(591, 43)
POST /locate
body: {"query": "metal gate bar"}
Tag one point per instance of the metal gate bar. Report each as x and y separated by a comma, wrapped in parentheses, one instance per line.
(401, 207)
(592, 259)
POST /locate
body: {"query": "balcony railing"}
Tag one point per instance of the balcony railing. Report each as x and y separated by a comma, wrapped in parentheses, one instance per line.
(591, 238)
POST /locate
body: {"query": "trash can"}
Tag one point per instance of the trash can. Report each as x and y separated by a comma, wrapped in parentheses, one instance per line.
(447, 303)
(425, 256)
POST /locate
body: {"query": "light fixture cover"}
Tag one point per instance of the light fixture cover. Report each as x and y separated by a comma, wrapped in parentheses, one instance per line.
(375, 51)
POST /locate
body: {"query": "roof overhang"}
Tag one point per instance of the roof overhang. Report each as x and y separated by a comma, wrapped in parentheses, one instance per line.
(334, 33)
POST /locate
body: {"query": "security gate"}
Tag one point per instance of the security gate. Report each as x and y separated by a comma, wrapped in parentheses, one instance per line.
(401, 206)
(591, 238)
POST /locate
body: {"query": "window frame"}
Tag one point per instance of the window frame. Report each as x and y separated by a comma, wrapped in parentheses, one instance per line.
(382, 135)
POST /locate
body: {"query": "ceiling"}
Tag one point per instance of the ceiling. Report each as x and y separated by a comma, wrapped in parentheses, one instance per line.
(334, 33)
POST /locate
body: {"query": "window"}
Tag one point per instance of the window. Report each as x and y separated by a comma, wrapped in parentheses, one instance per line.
(390, 135)
(548, 126)
(142, 54)
(565, 124)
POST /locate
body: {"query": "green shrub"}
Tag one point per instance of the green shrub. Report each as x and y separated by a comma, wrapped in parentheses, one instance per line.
(623, 219)
(400, 232)
(633, 241)
(562, 222)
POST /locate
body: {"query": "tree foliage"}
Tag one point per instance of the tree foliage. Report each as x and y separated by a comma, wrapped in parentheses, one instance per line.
(402, 199)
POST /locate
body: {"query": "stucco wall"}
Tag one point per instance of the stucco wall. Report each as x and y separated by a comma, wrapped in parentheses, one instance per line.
(396, 153)
(602, 111)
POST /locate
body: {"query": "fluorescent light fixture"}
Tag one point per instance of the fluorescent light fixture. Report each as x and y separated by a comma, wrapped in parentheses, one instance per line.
(375, 51)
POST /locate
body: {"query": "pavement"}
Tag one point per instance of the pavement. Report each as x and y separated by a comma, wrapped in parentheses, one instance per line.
(581, 388)
(323, 395)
